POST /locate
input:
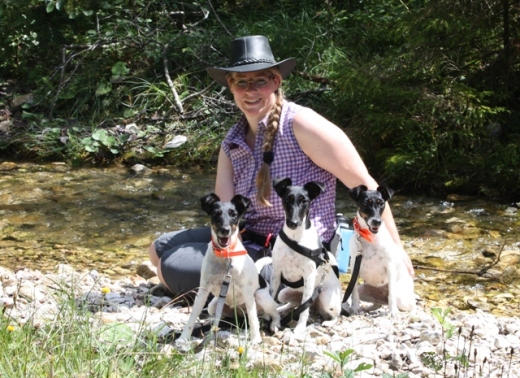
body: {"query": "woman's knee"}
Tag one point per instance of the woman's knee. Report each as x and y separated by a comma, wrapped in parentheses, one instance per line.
(152, 255)
(161, 278)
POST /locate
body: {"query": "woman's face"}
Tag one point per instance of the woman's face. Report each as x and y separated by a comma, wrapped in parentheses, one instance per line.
(254, 92)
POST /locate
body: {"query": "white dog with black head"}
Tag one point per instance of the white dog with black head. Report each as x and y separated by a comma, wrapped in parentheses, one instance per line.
(226, 254)
(386, 280)
(300, 260)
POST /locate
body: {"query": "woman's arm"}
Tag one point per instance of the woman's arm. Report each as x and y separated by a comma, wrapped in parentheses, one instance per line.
(224, 187)
(331, 149)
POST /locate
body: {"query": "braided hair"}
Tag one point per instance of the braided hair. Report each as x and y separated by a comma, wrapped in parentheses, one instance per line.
(263, 179)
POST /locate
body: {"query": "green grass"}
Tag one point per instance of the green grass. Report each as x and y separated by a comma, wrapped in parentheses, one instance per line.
(77, 343)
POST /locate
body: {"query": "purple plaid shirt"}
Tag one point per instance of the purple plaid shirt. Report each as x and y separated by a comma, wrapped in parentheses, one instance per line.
(289, 161)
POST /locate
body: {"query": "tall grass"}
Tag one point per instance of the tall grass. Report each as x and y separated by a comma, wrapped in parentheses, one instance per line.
(78, 343)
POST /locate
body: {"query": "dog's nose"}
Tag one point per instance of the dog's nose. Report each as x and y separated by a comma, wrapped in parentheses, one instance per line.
(292, 224)
(376, 222)
(225, 231)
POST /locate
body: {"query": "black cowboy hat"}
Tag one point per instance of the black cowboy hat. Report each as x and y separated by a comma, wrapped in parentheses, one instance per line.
(251, 53)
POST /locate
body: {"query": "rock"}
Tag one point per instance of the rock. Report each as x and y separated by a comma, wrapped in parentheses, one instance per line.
(18, 101)
(8, 166)
(176, 142)
(509, 274)
(146, 270)
(390, 346)
(139, 169)
(5, 126)
(131, 128)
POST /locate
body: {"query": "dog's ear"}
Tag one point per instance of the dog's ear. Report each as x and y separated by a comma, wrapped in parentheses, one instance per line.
(241, 203)
(355, 192)
(280, 184)
(207, 201)
(314, 189)
(386, 192)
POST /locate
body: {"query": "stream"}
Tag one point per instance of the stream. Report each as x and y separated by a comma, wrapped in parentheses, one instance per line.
(105, 219)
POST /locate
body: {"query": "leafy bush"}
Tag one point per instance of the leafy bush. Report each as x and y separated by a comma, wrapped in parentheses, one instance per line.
(428, 91)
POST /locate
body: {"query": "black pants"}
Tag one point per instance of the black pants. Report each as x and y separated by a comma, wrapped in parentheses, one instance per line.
(181, 254)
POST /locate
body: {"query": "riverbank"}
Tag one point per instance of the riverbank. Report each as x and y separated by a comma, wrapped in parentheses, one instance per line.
(425, 343)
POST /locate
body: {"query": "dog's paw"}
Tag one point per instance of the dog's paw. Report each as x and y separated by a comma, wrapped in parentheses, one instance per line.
(329, 323)
(256, 339)
(275, 325)
(183, 344)
(393, 312)
(300, 334)
(300, 331)
(353, 309)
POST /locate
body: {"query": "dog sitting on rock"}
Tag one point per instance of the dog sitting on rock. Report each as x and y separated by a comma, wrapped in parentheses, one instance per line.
(227, 255)
(299, 259)
(386, 280)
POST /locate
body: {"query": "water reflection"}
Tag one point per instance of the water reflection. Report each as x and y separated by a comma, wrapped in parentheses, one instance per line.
(105, 219)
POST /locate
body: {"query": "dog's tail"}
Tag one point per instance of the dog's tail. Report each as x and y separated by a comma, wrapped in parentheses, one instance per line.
(264, 261)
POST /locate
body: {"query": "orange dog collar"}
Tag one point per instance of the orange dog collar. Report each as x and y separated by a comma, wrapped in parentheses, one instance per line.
(364, 232)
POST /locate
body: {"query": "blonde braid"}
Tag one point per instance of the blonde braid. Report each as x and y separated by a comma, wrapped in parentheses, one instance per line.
(263, 180)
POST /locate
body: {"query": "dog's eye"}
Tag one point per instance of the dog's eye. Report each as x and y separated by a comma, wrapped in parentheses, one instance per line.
(232, 213)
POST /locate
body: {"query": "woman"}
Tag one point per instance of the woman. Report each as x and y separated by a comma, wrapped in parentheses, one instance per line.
(274, 138)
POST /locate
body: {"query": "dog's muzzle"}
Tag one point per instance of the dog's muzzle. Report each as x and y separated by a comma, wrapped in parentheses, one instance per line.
(374, 225)
(223, 241)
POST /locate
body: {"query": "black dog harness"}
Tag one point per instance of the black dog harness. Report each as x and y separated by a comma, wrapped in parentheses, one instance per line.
(320, 256)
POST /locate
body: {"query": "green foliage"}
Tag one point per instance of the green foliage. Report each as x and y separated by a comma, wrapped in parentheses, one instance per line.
(411, 93)
(427, 90)
(441, 316)
(342, 359)
(439, 361)
(433, 361)
(100, 138)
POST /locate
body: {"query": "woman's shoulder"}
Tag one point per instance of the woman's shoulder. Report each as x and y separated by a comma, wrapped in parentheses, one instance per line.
(293, 107)
(307, 118)
(236, 131)
(293, 113)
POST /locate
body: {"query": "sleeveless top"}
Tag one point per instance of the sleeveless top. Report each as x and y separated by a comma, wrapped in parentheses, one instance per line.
(289, 161)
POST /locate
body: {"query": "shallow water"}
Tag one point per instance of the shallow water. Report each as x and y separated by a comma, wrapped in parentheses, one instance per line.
(105, 218)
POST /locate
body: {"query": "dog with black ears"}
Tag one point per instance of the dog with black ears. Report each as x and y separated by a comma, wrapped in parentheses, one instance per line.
(299, 259)
(227, 255)
(386, 280)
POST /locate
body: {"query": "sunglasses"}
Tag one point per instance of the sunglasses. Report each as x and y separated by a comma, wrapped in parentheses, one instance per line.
(260, 82)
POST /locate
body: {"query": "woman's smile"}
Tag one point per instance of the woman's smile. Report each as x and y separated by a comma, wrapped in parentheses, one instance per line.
(254, 93)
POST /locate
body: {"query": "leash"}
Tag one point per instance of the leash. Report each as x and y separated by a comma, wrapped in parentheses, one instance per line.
(354, 277)
(221, 298)
(367, 235)
(218, 323)
(295, 314)
(218, 309)
(320, 257)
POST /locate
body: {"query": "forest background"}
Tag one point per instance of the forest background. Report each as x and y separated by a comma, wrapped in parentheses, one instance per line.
(428, 90)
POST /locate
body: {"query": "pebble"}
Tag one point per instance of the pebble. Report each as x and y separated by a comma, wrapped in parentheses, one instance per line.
(409, 343)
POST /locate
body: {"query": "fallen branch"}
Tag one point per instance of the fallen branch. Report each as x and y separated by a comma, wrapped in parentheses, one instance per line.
(177, 100)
